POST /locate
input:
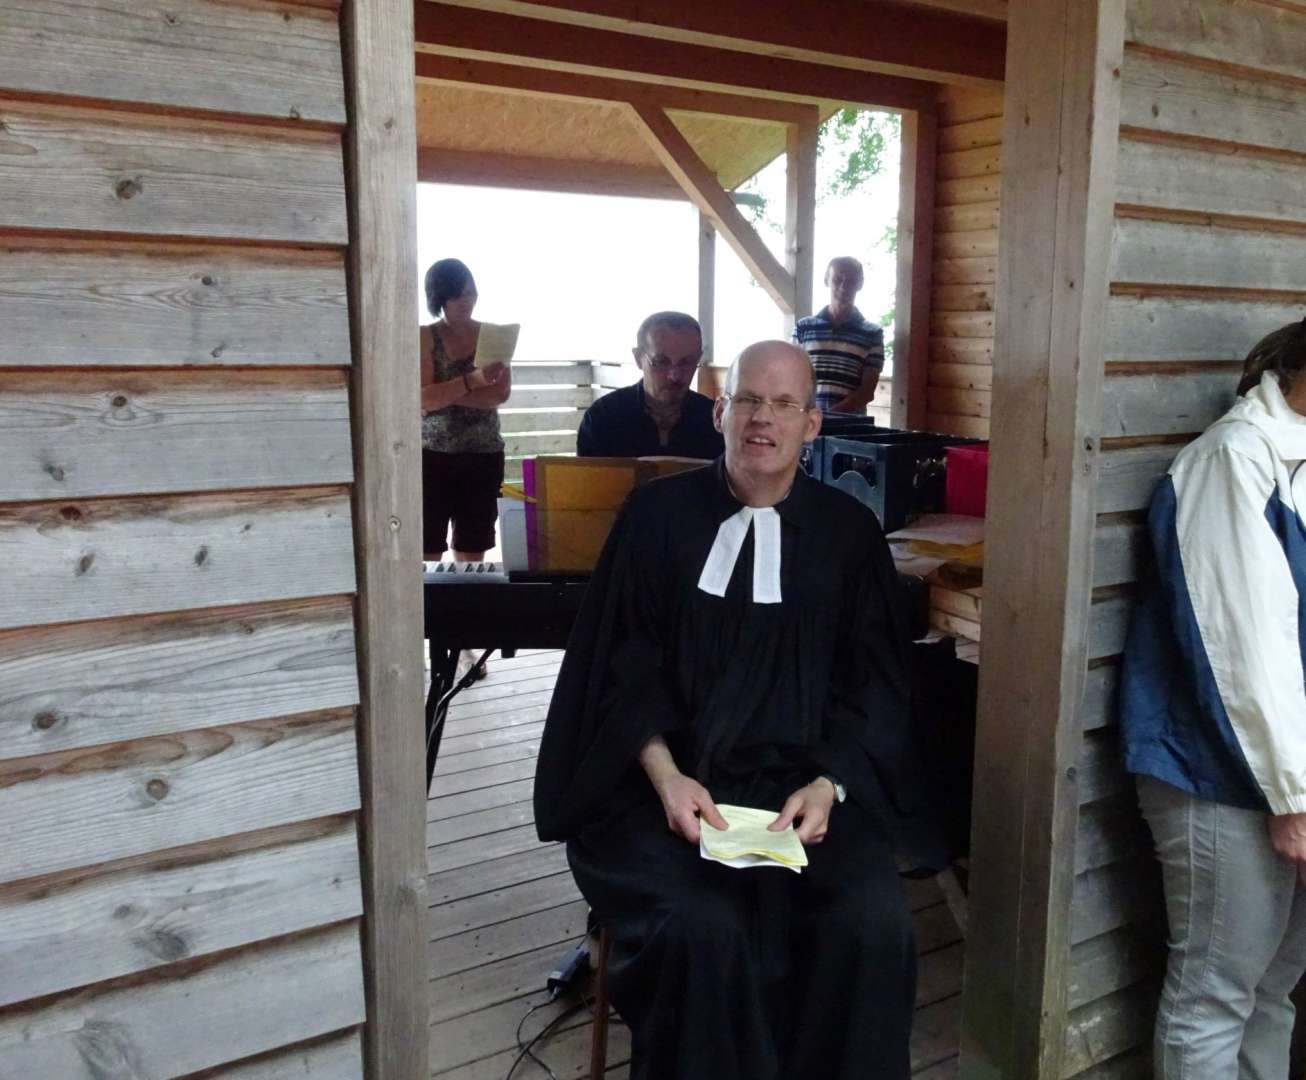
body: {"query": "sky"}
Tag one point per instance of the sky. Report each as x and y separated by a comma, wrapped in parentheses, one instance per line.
(580, 272)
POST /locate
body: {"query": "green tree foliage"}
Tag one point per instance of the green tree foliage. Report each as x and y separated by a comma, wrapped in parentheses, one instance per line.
(851, 148)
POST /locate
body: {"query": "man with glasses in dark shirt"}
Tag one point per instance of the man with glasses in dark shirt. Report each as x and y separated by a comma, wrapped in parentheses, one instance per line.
(660, 414)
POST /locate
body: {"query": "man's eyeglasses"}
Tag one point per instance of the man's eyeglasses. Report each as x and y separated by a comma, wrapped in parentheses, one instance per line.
(665, 363)
(783, 408)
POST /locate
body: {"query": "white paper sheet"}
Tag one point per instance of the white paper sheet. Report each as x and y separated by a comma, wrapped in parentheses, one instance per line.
(496, 343)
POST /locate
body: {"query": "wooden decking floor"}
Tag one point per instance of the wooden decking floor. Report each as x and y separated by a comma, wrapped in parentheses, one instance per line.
(503, 906)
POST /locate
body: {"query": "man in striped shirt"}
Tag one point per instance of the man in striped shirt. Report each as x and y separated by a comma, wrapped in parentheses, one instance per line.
(847, 351)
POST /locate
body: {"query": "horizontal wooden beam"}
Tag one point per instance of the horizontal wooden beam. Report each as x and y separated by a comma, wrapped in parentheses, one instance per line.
(436, 165)
(452, 30)
(872, 35)
(703, 189)
(979, 9)
(576, 87)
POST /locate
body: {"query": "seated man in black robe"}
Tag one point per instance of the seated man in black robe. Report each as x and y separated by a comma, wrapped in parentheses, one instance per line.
(740, 644)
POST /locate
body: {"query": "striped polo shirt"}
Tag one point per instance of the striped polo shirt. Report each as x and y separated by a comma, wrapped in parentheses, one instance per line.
(840, 353)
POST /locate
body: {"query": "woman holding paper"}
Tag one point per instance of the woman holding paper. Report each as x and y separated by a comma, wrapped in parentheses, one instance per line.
(462, 450)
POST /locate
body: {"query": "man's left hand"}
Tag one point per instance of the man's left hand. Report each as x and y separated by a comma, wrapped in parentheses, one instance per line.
(811, 806)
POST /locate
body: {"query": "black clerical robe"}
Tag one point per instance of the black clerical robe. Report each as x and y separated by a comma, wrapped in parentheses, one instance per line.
(723, 973)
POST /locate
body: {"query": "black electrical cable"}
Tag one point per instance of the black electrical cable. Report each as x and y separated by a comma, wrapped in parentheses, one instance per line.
(562, 1017)
(524, 1047)
(527, 1050)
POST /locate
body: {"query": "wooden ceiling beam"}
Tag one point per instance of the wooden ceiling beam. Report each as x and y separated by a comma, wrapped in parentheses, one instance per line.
(576, 87)
(700, 184)
(917, 41)
(436, 165)
(452, 30)
(995, 10)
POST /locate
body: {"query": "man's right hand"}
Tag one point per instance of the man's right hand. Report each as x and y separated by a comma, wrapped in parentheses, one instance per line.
(1288, 838)
(684, 799)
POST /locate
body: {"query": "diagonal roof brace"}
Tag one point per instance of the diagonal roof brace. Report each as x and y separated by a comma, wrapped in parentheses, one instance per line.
(704, 190)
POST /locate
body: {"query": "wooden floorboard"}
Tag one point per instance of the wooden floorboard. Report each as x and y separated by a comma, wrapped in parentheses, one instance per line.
(479, 823)
(486, 909)
(504, 907)
(478, 799)
(456, 743)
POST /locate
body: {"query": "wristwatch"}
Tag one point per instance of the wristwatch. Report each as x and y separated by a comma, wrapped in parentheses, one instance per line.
(840, 792)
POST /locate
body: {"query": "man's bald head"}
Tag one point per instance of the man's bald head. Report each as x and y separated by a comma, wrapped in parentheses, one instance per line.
(779, 353)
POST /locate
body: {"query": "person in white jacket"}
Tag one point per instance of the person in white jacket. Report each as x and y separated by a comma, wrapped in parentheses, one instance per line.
(1213, 721)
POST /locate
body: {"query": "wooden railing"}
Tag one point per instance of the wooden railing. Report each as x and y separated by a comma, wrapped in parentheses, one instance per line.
(544, 411)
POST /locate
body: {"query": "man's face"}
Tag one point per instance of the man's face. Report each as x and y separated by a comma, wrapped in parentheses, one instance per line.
(844, 281)
(765, 420)
(669, 363)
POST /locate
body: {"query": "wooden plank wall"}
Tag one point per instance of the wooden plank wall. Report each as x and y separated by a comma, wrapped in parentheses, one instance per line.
(1209, 254)
(968, 182)
(179, 778)
(1060, 128)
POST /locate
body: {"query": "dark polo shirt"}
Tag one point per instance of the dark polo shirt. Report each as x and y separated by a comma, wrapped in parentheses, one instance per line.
(617, 426)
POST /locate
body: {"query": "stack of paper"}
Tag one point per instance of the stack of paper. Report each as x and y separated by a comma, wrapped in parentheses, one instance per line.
(748, 842)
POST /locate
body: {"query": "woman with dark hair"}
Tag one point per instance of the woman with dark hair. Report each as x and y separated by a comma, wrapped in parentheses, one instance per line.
(1213, 720)
(462, 450)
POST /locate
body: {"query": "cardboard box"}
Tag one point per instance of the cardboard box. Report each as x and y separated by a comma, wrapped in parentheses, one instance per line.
(572, 503)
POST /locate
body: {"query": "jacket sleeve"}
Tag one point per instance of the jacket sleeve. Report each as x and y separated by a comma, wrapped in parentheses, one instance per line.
(1246, 607)
(868, 741)
(612, 694)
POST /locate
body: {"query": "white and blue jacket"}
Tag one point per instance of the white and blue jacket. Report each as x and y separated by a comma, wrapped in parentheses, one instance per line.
(1212, 693)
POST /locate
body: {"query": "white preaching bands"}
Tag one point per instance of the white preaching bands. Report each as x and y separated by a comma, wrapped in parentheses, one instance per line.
(729, 540)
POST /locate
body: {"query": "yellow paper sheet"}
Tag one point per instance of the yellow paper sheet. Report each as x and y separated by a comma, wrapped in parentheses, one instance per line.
(748, 835)
(496, 343)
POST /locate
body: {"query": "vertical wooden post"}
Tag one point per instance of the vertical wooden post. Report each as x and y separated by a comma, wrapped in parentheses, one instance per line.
(800, 214)
(911, 323)
(381, 153)
(1061, 123)
(707, 286)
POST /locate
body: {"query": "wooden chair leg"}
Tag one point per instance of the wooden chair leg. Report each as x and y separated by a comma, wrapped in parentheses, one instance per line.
(599, 1041)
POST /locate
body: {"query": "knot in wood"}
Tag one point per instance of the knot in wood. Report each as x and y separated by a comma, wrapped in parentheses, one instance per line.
(56, 472)
(207, 279)
(119, 401)
(157, 788)
(202, 556)
(394, 524)
(70, 513)
(126, 189)
(44, 721)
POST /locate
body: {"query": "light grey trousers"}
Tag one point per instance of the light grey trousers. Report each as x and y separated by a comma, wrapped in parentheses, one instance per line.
(1237, 940)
